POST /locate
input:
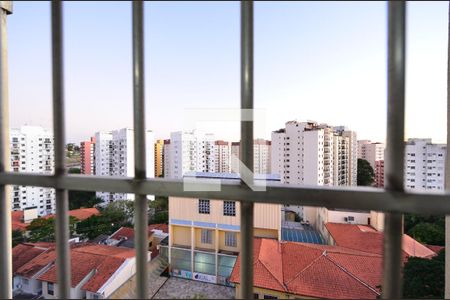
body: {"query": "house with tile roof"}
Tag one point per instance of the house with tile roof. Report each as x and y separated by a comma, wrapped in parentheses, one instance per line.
(366, 238)
(124, 237)
(293, 270)
(96, 270)
(80, 213)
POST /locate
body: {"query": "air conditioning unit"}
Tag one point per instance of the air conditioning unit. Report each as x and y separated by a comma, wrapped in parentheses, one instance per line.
(19, 286)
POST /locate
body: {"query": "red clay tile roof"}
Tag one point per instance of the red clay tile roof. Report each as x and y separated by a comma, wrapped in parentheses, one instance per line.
(23, 253)
(81, 213)
(97, 261)
(36, 264)
(128, 233)
(123, 233)
(366, 238)
(314, 270)
(435, 248)
(120, 252)
(163, 227)
(104, 271)
(16, 220)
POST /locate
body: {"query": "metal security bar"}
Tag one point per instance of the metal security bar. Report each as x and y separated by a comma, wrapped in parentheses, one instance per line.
(62, 201)
(246, 271)
(393, 200)
(140, 167)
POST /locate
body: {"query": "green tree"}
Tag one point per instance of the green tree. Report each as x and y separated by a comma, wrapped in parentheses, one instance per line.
(365, 173)
(17, 237)
(74, 171)
(97, 225)
(411, 220)
(83, 199)
(43, 230)
(159, 217)
(424, 278)
(428, 233)
(112, 217)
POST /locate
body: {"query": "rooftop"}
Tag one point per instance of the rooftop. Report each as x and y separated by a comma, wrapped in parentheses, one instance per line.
(366, 238)
(81, 213)
(100, 261)
(314, 270)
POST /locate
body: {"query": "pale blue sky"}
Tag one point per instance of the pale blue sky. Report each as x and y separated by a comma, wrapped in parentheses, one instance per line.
(323, 61)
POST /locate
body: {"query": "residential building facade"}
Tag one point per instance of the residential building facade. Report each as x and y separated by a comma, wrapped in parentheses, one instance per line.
(115, 157)
(204, 236)
(190, 151)
(159, 158)
(32, 152)
(222, 157)
(97, 270)
(424, 165)
(87, 156)
(261, 156)
(308, 153)
(374, 154)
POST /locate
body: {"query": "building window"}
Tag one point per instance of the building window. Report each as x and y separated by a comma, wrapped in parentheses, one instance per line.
(206, 237)
(25, 281)
(229, 208)
(95, 296)
(230, 239)
(270, 297)
(203, 206)
(255, 296)
(50, 288)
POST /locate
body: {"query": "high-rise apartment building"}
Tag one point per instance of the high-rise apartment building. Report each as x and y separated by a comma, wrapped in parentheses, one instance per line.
(424, 165)
(222, 157)
(261, 156)
(314, 154)
(190, 151)
(32, 152)
(374, 154)
(167, 163)
(114, 155)
(159, 158)
(87, 155)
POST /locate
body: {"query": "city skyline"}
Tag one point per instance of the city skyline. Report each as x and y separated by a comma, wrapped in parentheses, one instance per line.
(296, 77)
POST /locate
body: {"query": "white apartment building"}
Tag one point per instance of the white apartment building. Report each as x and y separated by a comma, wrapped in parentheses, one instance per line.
(222, 157)
(261, 156)
(314, 154)
(190, 151)
(114, 156)
(374, 154)
(32, 152)
(167, 162)
(424, 165)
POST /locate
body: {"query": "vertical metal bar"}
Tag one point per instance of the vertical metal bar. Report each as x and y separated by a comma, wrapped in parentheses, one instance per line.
(140, 170)
(447, 170)
(62, 204)
(395, 147)
(5, 192)
(246, 147)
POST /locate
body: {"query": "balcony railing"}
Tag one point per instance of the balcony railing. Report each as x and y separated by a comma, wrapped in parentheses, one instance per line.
(393, 199)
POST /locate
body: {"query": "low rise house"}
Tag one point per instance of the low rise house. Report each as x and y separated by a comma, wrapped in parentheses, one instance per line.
(81, 213)
(96, 270)
(366, 238)
(124, 237)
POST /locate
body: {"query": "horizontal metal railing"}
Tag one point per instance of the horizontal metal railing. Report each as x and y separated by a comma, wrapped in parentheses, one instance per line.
(363, 198)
